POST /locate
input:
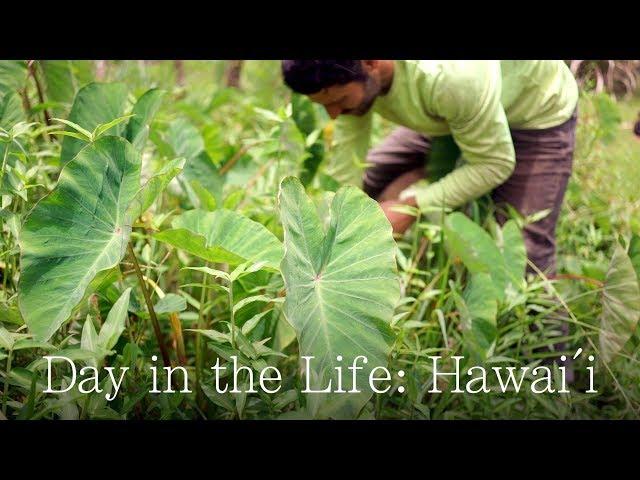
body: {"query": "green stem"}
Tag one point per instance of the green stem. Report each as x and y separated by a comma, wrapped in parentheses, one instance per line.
(5, 395)
(199, 343)
(233, 317)
(34, 75)
(4, 273)
(152, 313)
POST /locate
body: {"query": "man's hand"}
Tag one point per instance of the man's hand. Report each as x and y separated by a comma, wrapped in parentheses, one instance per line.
(399, 221)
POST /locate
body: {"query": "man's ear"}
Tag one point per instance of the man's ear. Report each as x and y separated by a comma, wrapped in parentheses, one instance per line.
(370, 66)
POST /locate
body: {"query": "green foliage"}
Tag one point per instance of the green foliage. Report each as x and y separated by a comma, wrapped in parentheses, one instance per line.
(62, 79)
(620, 304)
(13, 75)
(223, 236)
(333, 278)
(225, 259)
(94, 105)
(305, 118)
(480, 254)
(78, 230)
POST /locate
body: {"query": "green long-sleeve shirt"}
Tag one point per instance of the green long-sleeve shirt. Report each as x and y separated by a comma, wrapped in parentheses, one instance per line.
(476, 102)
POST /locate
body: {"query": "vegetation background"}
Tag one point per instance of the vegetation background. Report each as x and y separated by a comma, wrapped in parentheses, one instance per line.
(236, 132)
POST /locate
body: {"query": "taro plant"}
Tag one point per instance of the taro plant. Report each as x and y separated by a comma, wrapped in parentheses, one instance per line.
(83, 226)
(342, 288)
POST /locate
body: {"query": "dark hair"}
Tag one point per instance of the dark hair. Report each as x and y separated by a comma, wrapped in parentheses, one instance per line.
(311, 76)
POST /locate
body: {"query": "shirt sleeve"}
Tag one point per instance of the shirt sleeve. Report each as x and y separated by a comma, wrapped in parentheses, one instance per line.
(467, 95)
(351, 139)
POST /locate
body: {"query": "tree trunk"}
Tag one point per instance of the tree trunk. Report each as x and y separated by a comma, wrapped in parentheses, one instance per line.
(234, 69)
(179, 67)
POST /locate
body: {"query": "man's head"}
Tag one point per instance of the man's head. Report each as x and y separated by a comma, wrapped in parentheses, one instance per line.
(341, 86)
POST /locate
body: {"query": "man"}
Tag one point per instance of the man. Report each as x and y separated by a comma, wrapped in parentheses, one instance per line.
(513, 121)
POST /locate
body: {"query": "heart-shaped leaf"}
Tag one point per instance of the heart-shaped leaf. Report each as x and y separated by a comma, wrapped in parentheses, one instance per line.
(200, 177)
(620, 304)
(477, 250)
(478, 309)
(79, 229)
(342, 287)
(62, 79)
(95, 104)
(144, 110)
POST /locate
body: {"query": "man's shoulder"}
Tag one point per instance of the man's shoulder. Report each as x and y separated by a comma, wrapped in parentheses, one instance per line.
(450, 68)
(459, 77)
(450, 83)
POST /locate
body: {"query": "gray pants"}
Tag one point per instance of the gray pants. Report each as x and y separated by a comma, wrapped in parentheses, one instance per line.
(544, 161)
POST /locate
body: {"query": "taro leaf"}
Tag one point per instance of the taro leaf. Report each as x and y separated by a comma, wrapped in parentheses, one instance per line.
(13, 74)
(115, 322)
(184, 138)
(59, 82)
(62, 78)
(223, 236)
(200, 176)
(342, 287)
(205, 181)
(514, 252)
(154, 187)
(11, 111)
(95, 104)
(144, 111)
(170, 303)
(620, 305)
(478, 309)
(78, 230)
(477, 250)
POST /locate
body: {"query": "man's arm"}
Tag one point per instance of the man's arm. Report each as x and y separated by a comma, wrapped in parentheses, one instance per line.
(467, 95)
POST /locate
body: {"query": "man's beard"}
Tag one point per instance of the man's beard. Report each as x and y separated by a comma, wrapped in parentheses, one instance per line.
(371, 91)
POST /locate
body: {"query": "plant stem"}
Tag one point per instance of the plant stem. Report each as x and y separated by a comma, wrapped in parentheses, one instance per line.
(228, 165)
(233, 317)
(5, 395)
(152, 312)
(25, 99)
(47, 118)
(570, 276)
(199, 344)
(424, 242)
(176, 326)
(34, 75)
